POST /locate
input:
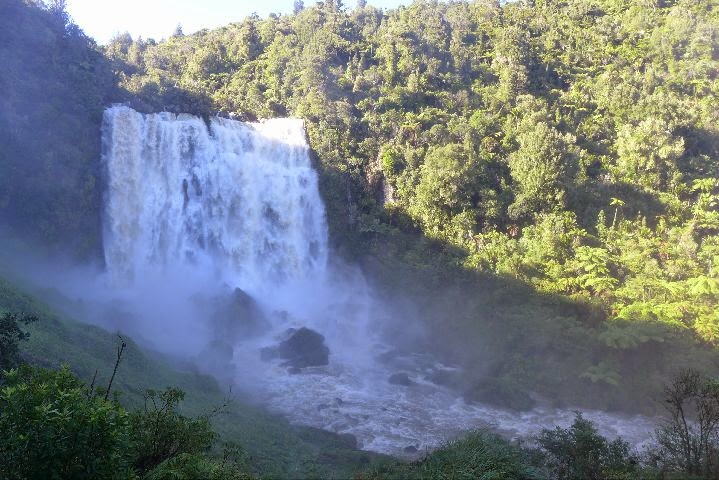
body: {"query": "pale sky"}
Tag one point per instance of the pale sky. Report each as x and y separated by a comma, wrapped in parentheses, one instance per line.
(101, 19)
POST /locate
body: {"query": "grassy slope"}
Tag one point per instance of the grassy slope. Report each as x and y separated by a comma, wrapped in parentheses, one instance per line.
(276, 448)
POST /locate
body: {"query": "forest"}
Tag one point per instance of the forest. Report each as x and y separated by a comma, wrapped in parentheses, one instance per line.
(539, 178)
(570, 146)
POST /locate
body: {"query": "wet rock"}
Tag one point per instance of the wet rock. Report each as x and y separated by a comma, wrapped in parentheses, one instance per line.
(323, 406)
(388, 356)
(411, 449)
(269, 353)
(500, 392)
(304, 348)
(237, 316)
(400, 379)
(281, 315)
(339, 401)
(446, 377)
(294, 370)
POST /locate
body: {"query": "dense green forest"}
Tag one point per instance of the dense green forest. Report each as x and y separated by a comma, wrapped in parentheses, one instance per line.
(540, 179)
(572, 145)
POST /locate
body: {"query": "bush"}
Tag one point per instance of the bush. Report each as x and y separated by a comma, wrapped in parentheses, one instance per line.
(480, 455)
(581, 453)
(160, 433)
(10, 336)
(52, 428)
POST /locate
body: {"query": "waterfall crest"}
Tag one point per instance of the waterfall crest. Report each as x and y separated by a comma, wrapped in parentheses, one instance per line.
(239, 198)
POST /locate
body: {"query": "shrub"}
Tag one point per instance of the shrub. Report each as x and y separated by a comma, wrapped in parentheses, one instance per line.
(52, 428)
(581, 453)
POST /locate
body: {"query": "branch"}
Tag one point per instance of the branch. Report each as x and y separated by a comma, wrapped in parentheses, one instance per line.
(120, 349)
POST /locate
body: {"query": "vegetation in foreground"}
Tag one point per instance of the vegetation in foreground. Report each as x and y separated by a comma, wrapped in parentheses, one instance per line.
(56, 426)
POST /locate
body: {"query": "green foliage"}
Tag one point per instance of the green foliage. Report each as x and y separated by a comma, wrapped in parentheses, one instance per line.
(161, 433)
(648, 154)
(479, 455)
(571, 146)
(500, 130)
(581, 453)
(687, 440)
(194, 467)
(10, 336)
(267, 444)
(539, 168)
(54, 428)
(55, 85)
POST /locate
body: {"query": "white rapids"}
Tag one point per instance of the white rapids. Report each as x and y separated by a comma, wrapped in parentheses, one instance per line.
(237, 204)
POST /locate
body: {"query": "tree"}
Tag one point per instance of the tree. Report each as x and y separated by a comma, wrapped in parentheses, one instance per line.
(688, 440)
(55, 426)
(540, 169)
(648, 154)
(581, 453)
(10, 336)
(298, 7)
(454, 194)
(161, 433)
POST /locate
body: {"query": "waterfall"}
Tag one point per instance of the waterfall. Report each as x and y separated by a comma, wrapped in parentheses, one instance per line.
(238, 198)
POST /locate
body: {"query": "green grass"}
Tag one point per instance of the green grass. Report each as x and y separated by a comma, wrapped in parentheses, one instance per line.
(275, 448)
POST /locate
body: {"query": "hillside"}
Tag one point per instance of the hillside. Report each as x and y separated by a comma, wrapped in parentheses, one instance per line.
(275, 448)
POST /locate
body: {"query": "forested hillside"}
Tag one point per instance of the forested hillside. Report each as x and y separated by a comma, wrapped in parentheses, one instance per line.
(569, 145)
(55, 84)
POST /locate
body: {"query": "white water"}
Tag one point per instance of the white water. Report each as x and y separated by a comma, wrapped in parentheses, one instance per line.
(239, 199)
(197, 209)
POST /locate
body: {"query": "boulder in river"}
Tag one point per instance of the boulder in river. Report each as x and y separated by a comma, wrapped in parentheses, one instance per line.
(237, 316)
(500, 392)
(304, 348)
(400, 379)
(269, 353)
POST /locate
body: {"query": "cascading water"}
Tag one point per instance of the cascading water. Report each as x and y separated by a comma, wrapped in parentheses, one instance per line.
(236, 197)
(197, 207)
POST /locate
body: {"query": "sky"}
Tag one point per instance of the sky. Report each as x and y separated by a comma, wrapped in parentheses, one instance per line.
(102, 19)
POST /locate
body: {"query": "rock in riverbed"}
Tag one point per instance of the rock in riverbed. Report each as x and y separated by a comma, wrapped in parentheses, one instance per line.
(400, 379)
(304, 348)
